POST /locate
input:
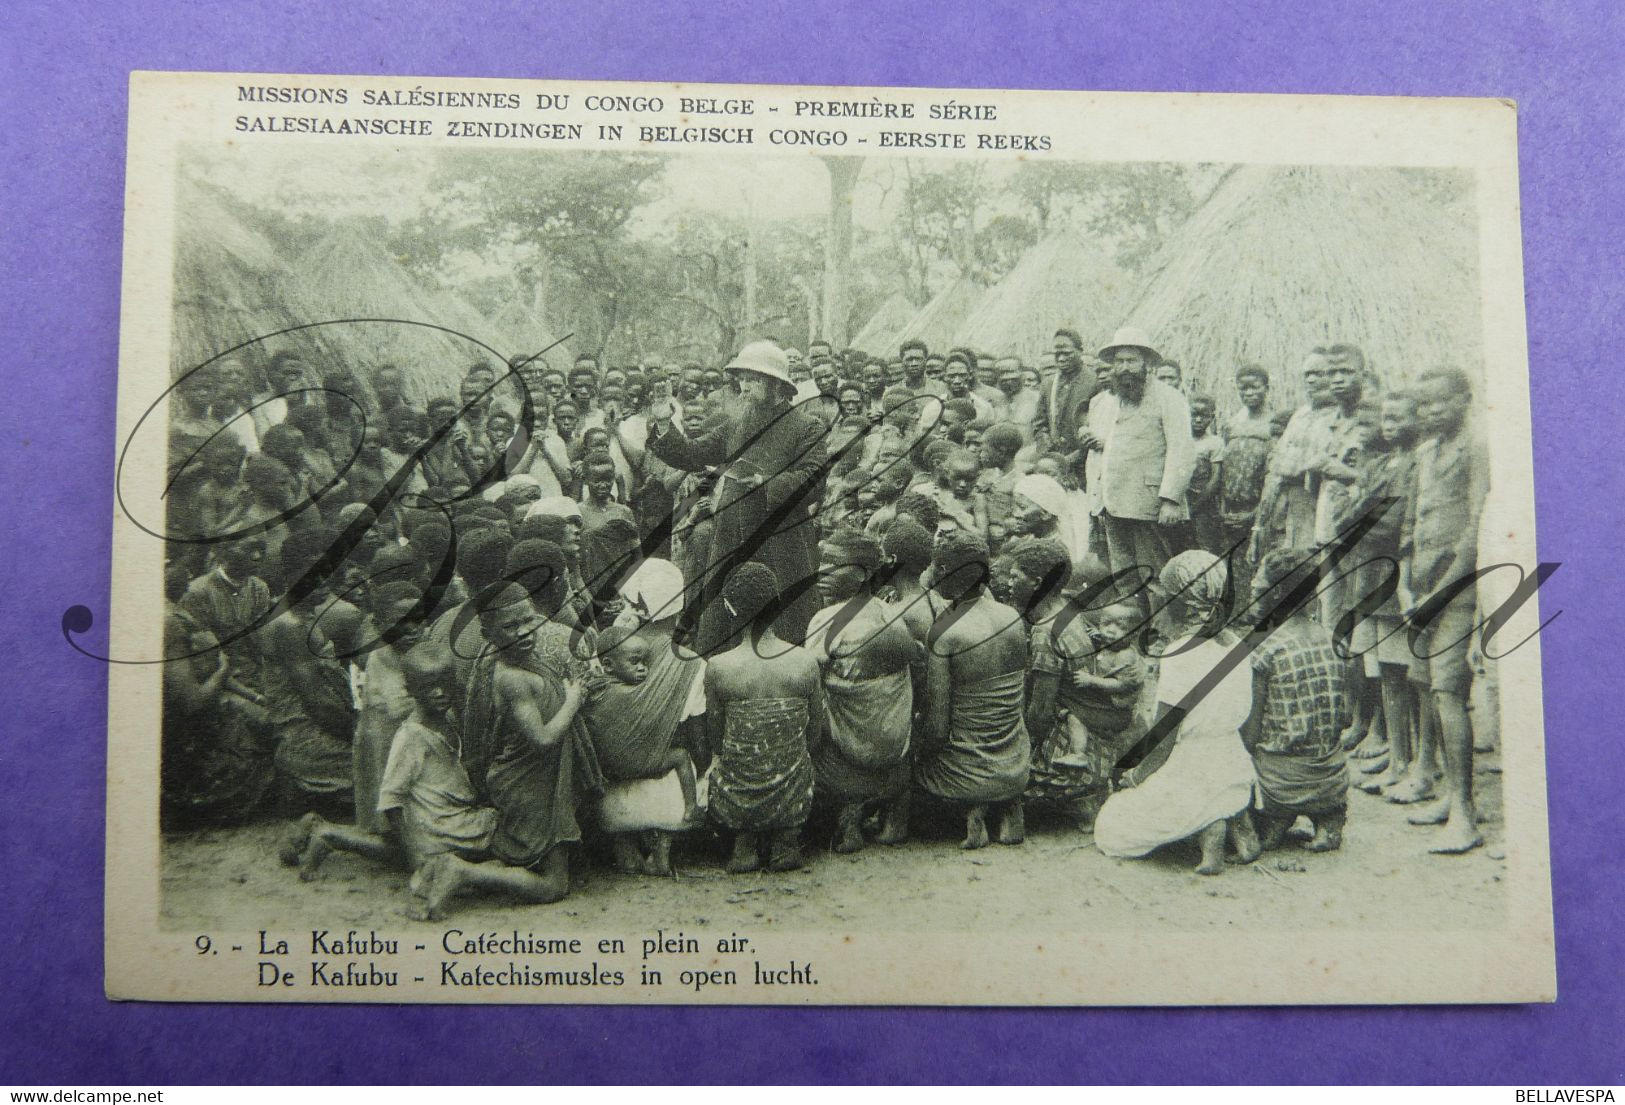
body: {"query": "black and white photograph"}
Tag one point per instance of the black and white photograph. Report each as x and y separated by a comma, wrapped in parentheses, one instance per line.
(769, 545)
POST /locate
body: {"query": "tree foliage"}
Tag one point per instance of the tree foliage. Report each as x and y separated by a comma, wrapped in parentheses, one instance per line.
(569, 214)
(563, 235)
(1139, 205)
(940, 210)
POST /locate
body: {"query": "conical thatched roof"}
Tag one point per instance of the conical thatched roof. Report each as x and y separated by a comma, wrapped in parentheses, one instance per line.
(524, 330)
(941, 322)
(1280, 260)
(230, 287)
(349, 276)
(1064, 280)
(880, 336)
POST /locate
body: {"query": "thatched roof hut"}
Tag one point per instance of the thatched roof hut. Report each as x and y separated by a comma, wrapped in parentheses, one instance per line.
(941, 322)
(1282, 259)
(229, 287)
(523, 330)
(1064, 280)
(880, 335)
(348, 276)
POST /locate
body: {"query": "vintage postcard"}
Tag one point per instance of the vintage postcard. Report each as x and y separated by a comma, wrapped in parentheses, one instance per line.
(754, 544)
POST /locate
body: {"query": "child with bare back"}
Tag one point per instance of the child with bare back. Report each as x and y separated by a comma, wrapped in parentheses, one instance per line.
(425, 798)
(1440, 543)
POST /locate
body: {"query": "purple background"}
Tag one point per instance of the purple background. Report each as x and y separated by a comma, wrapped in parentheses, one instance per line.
(62, 162)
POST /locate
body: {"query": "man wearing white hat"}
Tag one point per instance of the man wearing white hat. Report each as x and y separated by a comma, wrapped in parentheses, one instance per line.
(1142, 433)
(771, 457)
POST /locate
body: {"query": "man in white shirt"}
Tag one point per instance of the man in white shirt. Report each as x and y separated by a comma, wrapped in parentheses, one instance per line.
(1142, 433)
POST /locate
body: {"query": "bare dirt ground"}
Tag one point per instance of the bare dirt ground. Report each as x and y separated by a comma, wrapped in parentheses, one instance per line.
(1382, 879)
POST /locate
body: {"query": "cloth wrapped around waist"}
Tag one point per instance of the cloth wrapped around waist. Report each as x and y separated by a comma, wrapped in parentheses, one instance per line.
(870, 719)
(1298, 782)
(763, 777)
(535, 790)
(987, 755)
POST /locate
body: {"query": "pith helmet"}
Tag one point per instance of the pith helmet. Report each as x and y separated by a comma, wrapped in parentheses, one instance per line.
(1131, 337)
(765, 359)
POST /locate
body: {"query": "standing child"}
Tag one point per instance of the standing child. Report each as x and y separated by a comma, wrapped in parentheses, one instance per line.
(1248, 438)
(1340, 488)
(1383, 492)
(1452, 480)
(1207, 477)
(958, 496)
(1298, 707)
(602, 497)
(999, 448)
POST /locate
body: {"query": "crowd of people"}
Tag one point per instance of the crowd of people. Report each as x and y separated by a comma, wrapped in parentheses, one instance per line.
(574, 616)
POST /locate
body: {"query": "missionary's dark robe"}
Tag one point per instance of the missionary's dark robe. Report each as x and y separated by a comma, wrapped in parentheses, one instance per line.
(772, 524)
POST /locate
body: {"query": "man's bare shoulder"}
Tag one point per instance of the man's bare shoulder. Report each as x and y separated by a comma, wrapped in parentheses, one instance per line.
(957, 629)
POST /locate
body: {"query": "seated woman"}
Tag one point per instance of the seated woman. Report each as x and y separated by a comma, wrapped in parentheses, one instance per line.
(269, 498)
(206, 487)
(1199, 780)
(215, 767)
(764, 706)
(1084, 679)
(637, 726)
(866, 652)
(1299, 708)
(307, 692)
(394, 627)
(975, 752)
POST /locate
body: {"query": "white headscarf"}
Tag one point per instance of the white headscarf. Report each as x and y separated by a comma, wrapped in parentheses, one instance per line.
(653, 592)
(495, 492)
(561, 505)
(1071, 524)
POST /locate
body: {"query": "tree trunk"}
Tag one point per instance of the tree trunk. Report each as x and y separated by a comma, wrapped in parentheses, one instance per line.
(843, 177)
(809, 294)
